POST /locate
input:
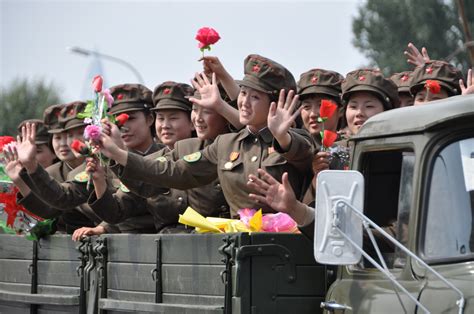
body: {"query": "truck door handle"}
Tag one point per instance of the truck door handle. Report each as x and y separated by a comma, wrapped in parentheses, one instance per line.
(332, 306)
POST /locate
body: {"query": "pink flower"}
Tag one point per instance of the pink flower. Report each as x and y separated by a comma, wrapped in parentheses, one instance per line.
(97, 83)
(92, 132)
(108, 97)
(207, 36)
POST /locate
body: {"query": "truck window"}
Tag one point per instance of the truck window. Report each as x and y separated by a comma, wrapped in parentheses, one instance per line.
(388, 194)
(449, 225)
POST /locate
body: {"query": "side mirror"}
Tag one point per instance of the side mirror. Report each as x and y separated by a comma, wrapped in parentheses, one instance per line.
(335, 221)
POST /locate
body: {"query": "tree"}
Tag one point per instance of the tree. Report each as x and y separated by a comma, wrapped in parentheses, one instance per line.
(22, 100)
(383, 28)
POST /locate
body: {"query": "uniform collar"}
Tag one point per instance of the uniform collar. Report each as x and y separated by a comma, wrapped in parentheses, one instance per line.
(263, 134)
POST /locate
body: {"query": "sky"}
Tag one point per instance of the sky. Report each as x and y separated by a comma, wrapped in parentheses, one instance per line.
(157, 38)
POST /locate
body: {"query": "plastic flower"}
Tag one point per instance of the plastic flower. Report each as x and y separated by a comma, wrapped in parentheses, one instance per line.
(327, 109)
(97, 83)
(92, 132)
(80, 147)
(433, 86)
(121, 119)
(108, 97)
(329, 137)
(207, 36)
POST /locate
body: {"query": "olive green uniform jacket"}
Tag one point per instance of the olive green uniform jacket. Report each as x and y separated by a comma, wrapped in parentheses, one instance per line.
(68, 220)
(231, 158)
(163, 205)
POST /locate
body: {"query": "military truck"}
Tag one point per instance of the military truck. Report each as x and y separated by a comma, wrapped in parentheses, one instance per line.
(412, 166)
(414, 176)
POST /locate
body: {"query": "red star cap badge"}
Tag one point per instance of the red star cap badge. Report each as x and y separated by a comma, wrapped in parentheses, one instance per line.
(166, 91)
(429, 70)
(120, 96)
(256, 68)
(361, 78)
(404, 78)
(314, 79)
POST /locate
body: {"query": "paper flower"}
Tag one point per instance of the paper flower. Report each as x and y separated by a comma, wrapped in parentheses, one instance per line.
(327, 109)
(108, 97)
(207, 36)
(328, 138)
(97, 83)
(433, 86)
(121, 119)
(92, 132)
(80, 148)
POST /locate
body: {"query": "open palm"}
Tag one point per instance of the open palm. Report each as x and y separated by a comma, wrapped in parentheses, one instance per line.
(26, 146)
(281, 116)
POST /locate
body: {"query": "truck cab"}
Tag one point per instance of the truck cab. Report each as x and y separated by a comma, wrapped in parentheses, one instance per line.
(417, 167)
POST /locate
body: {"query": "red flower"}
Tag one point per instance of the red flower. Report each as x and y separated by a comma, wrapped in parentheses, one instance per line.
(433, 86)
(80, 147)
(327, 109)
(4, 140)
(207, 36)
(97, 83)
(121, 119)
(329, 137)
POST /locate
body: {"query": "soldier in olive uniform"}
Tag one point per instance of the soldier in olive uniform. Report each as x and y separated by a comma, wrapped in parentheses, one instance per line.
(446, 76)
(365, 93)
(403, 82)
(136, 134)
(208, 199)
(315, 86)
(44, 148)
(267, 106)
(172, 109)
(58, 119)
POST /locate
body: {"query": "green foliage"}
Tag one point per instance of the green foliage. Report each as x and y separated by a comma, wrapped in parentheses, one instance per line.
(22, 100)
(88, 111)
(383, 28)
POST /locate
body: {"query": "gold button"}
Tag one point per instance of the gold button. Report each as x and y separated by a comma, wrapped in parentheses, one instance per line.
(254, 158)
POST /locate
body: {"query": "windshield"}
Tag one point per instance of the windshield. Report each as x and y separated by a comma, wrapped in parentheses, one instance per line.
(449, 228)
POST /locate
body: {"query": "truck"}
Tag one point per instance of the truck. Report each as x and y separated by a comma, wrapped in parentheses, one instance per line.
(412, 171)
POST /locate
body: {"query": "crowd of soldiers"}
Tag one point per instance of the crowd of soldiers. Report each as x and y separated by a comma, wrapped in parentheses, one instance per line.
(217, 146)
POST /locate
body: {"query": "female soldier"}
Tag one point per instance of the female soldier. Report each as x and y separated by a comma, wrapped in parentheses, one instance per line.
(365, 93)
(136, 134)
(172, 123)
(44, 148)
(266, 141)
(315, 86)
(36, 194)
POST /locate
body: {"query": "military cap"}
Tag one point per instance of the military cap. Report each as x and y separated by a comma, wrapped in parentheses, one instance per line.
(130, 97)
(68, 115)
(42, 135)
(403, 81)
(172, 95)
(445, 73)
(319, 81)
(266, 75)
(51, 118)
(371, 80)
